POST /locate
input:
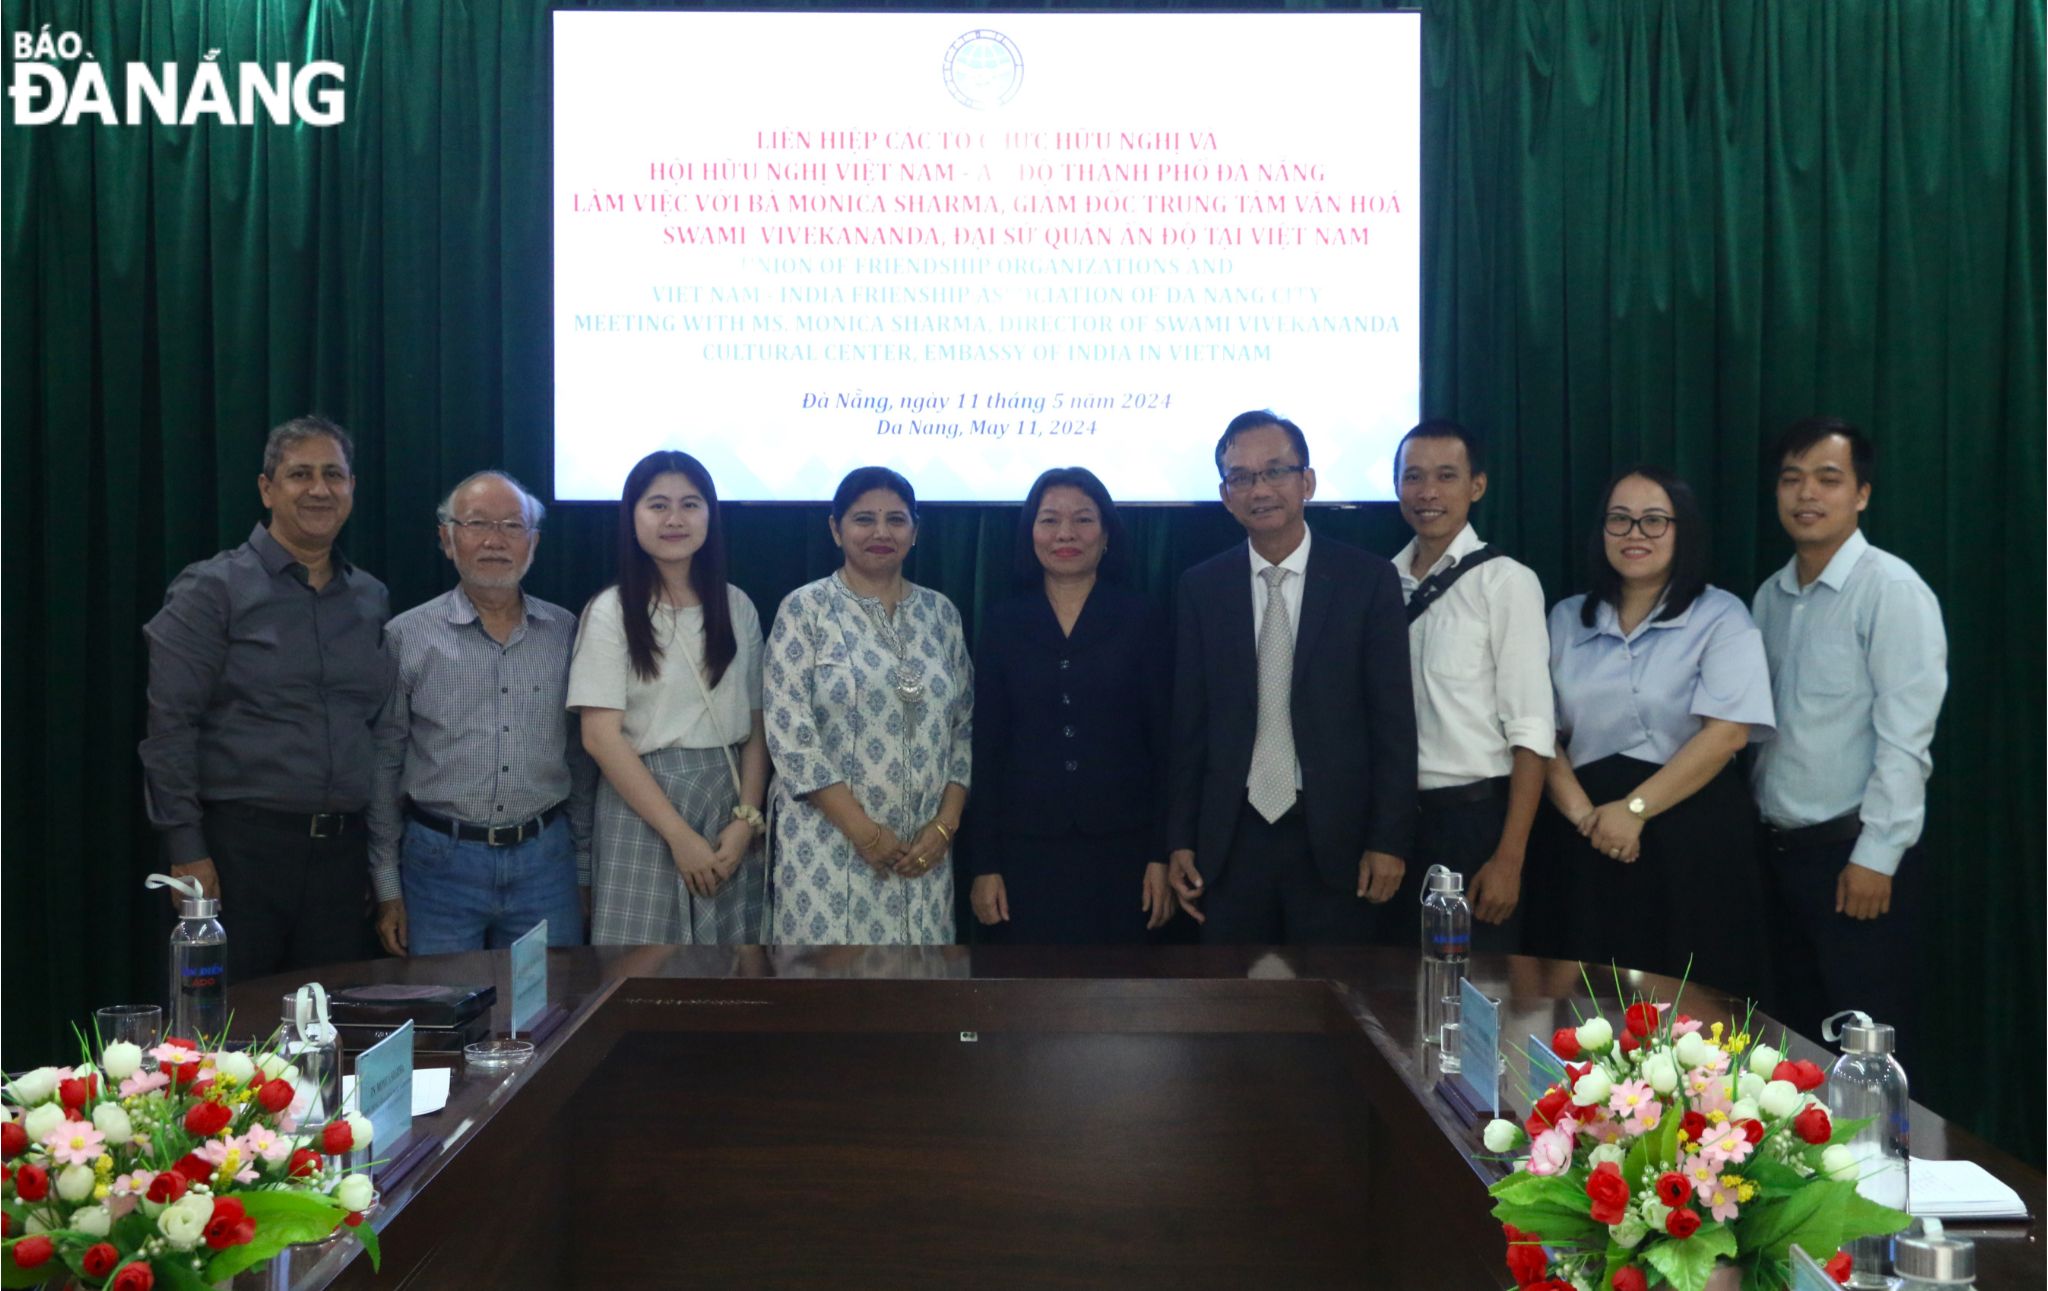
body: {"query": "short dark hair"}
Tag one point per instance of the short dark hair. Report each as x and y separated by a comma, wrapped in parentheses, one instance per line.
(865, 479)
(1691, 549)
(1024, 558)
(1803, 434)
(288, 435)
(1255, 420)
(1445, 428)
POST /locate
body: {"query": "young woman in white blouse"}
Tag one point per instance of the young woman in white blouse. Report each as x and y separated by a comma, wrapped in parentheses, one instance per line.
(667, 675)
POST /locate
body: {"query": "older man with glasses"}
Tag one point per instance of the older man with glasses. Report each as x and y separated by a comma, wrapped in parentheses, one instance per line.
(480, 815)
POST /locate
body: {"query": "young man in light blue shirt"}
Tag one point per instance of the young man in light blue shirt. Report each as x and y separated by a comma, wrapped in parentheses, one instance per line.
(1859, 666)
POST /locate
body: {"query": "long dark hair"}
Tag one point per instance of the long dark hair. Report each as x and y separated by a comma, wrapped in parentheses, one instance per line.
(1024, 559)
(1690, 549)
(640, 583)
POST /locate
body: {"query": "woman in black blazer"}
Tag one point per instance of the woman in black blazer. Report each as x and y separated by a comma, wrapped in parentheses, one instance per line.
(1065, 832)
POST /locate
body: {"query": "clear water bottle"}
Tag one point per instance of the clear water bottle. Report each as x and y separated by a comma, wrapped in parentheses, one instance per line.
(1867, 1082)
(1446, 944)
(1925, 1257)
(199, 993)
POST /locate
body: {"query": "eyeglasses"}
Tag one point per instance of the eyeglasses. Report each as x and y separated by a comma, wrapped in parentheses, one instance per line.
(1239, 481)
(1654, 525)
(504, 528)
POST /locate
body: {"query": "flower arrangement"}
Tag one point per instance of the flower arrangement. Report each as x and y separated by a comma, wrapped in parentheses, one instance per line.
(175, 1169)
(1673, 1149)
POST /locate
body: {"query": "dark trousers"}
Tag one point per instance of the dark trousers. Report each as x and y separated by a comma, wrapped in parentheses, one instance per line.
(1827, 962)
(1271, 894)
(1458, 836)
(287, 900)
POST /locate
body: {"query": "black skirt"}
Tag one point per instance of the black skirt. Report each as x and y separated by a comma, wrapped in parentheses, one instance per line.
(1694, 895)
(1074, 889)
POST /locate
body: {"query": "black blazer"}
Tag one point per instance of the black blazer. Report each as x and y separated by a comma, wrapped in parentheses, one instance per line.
(1069, 731)
(1352, 702)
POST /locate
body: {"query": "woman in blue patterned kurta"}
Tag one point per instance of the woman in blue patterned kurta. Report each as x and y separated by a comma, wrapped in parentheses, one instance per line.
(869, 699)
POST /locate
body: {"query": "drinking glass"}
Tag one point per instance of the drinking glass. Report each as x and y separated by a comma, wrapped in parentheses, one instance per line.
(138, 1024)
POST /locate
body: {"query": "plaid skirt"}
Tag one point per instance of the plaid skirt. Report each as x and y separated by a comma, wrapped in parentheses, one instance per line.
(637, 898)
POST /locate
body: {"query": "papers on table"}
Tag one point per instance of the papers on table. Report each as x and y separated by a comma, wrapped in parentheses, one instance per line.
(1960, 1190)
(429, 1089)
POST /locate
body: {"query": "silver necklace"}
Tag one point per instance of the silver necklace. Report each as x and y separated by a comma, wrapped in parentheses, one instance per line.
(907, 676)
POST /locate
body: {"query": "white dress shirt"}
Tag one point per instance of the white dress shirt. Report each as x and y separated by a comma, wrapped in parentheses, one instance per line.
(1296, 564)
(1480, 661)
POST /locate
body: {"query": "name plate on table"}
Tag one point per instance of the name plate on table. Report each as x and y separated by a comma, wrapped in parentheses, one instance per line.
(1807, 1274)
(384, 1090)
(529, 976)
(1479, 1047)
(1545, 1068)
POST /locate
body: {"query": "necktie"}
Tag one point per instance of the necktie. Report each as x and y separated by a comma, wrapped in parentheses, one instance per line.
(1271, 787)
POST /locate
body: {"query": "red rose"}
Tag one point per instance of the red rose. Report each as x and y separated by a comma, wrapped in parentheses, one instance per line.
(99, 1259)
(74, 1093)
(1672, 1188)
(195, 1168)
(1629, 1043)
(182, 1043)
(1609, 1192)
(274, 1095)
(1548, 1111)
(1812, 1125)
(181, 1073)
(353, 1218)
(133, 1277)
(167, 1187)
(1564, 1042)
(1753, 1130)
(1805, 1075)
(1682, 1223)
(1573, 1075)
(13, 1140)
(31, 1251)
(1839, 1266)
(337, 1137)
(304, 1164)
(1641, 1021)
(208, 1119)
(1526, 1261)
(1629, 1278)
(229, 1226)
(1694, 1126)
(32, 1182)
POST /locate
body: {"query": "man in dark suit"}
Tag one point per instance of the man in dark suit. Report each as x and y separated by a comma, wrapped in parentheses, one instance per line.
(1292, 783)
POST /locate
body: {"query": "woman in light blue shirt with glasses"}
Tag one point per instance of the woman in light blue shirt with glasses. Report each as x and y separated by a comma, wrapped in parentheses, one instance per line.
(1660, 682)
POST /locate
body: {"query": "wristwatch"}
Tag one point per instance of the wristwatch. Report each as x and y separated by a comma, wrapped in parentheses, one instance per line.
(1638, 808)
(751, 815)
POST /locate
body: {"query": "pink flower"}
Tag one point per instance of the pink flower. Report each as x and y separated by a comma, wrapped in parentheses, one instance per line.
(1646, 1118)
(175, 1054)
(265, 1143)
(1551, 1153)
(1709, 1092)
(216, 1152)
(1721, 1201)
(1701, 1174)
(1605, 1130)
(1685, 1026)
(1725, 1144)
(1630, 1095)
(143, 1082)
(74, 1143)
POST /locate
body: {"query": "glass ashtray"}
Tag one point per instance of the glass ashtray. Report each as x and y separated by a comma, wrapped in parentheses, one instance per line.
(497, 1055)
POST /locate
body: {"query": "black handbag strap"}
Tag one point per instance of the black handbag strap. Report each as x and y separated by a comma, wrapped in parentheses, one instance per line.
(1430, 590)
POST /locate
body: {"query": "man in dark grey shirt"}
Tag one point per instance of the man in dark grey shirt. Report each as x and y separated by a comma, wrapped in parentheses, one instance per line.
(266, 672)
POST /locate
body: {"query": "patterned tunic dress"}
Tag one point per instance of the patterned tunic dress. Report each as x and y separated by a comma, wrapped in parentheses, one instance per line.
(834, 714)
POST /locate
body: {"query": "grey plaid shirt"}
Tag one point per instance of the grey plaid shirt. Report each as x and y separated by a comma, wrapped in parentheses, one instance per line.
(476, 731)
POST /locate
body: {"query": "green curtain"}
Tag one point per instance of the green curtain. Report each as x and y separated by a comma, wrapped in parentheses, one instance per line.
(1659, 229)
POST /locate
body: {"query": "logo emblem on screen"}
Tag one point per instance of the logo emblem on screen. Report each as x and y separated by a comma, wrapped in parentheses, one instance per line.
(984, 68)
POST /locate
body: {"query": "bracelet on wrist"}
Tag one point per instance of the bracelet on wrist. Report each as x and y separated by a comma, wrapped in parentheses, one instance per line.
(944, 832)
(750, 816)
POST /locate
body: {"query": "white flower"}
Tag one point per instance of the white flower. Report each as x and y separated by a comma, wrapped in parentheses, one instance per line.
(1692, 1049)
(1654, 1212)
(355, 1192)
(1781, 1098)
(33, 1225)
(6, 1113)
(1837, 1161)
(122, 1059)
(1661, 1072)
(1500, 1135)
(1763, 1060)
(235, 1066)
(41, 1119)
(271, 1063)
(111, 1120)
(1595, 1034)
(33, 1087)
(74, 1182)
(1628, 1232)
(1749, 1085)
(359, 1129)
(1743, 1109)
(1593, 1088)
(184, 1221)
(1606, 1154)
(93, 1221)
(1551, 1153)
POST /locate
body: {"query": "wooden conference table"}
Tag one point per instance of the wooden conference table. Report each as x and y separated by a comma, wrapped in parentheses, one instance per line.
(987, 1116)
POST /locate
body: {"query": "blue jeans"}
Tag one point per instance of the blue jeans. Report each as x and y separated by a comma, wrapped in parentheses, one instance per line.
(468, 896)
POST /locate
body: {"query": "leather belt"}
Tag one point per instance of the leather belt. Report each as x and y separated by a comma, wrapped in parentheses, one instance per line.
(1459, 795)
(489, 835)
(321, 824)
(1842, 829)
